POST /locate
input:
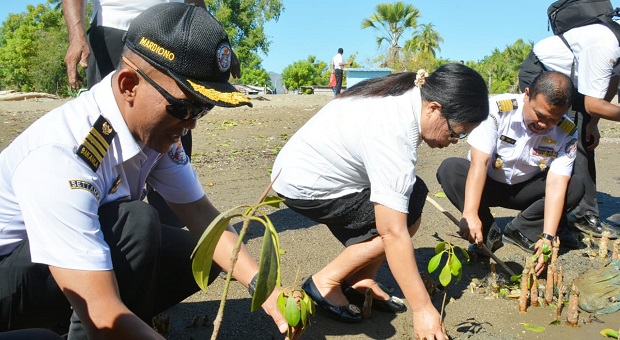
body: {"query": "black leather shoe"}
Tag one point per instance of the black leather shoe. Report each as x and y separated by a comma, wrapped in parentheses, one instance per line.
(349, 313)
(515, 237)
(590, 224)
(494, 238)
(393, 305)
(568, 239)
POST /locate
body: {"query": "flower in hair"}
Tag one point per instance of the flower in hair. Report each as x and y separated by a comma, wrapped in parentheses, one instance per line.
(420, 78)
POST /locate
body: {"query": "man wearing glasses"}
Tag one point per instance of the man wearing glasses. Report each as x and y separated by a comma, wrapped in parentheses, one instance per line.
(521, 158)
(77, 236)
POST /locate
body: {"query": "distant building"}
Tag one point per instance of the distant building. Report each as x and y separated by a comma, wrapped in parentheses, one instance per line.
(355, 75)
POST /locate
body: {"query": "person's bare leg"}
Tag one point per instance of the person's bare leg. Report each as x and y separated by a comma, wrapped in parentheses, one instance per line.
(358, 265)
(365, 277)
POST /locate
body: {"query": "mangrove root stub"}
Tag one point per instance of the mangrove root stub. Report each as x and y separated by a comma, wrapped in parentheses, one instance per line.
(534, 290)
(603, 244)
(572, 317)
(561, 292)
(525, 278)
(549, 287)
(614, 254)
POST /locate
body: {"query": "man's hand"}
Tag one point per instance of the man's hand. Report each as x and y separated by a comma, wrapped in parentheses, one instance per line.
(471, 228)
(77, 54)
(593, 136)
(235, 66)
(541, 263)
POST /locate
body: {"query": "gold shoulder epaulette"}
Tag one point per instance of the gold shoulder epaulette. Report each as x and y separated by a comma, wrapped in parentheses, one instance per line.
(568, 126)
(96, 144)
(507, 105)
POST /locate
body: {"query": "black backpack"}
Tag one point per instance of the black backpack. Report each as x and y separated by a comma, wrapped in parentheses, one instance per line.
(566, 14)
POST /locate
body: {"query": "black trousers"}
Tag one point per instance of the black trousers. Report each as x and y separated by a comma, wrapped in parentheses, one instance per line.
(529, 197)
(585, 164)
(106, 46)
(151, 263)
(339, 76)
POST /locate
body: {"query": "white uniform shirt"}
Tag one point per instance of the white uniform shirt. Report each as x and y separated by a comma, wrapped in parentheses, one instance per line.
(353, 144)
(336, 60)
(119, 13)
(51, 196)
(524, 154)
(595, 50)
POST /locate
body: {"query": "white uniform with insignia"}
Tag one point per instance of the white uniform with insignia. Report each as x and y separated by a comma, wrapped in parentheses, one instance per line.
(57, 173)
(594, 50)
(518, 154)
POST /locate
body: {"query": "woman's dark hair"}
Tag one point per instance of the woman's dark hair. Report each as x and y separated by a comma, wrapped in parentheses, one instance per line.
(460, 90)
(557, 88)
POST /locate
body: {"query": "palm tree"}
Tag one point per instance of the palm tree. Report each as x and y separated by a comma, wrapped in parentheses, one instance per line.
(392, 21)
(426, 40)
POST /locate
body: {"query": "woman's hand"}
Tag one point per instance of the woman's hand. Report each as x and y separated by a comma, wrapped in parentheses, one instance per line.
(427, 324)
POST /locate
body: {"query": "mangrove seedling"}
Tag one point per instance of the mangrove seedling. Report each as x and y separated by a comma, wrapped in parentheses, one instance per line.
(452, 266)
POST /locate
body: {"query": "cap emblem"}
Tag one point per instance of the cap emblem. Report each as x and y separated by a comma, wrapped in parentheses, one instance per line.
(224, 57)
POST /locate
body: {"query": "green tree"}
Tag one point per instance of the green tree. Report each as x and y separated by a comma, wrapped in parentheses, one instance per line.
(244, 21)
(426, 40)
(304, 73)
(255, 74)
(391, 21)
(501, 68)
(29, 43)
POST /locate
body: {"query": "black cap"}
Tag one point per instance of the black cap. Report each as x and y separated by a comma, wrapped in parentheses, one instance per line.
(188, 44)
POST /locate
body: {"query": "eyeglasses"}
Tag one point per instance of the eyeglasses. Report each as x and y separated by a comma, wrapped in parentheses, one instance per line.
(179, 108)
(453, 134)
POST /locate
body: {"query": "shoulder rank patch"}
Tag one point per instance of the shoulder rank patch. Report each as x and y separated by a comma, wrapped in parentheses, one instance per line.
(96, 144)
(84, 185)
(507, 139)
(568, 126)
(507, 105)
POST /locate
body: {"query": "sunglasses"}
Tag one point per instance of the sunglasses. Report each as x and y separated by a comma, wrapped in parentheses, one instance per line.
(453, 134)
(178, 108)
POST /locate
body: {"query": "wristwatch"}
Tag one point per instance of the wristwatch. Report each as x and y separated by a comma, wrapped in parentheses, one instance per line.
(547, 237)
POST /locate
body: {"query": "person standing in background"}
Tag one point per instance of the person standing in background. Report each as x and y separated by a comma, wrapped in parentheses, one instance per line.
(338, 66)
(588, 54)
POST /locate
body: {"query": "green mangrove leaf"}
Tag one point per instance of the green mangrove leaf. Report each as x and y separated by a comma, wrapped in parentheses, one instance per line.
(515, 278)
(269, 269)
(273, 201)
(455, 265)
(610, 333)
(555, 322)
(292, 313)
(440, 247)
(465, 253)
(533, 328)
(445, 276)
(440, 194)
(434, 262)
(203, 252)
(303, 308)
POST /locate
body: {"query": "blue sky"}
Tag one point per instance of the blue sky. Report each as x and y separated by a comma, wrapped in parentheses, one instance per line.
(471, 29)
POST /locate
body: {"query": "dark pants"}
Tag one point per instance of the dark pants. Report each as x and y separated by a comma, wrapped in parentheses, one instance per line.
(529, 197)
(106, 46)
(339, 76)
(351, 218)
(585, 166)
(151, 263)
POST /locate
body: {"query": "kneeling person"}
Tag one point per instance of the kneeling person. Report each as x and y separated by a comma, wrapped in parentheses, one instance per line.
(521, 158)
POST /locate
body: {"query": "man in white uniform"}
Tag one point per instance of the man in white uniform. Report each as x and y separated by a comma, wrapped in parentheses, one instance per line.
(77, 236)
(339, 65)
(521, 158)
(588, 54)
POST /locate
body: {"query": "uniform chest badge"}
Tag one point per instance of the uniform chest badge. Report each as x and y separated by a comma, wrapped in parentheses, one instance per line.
(549, 140)
(115, 185)
(498, 163)
(507, 139)
(177, 153)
